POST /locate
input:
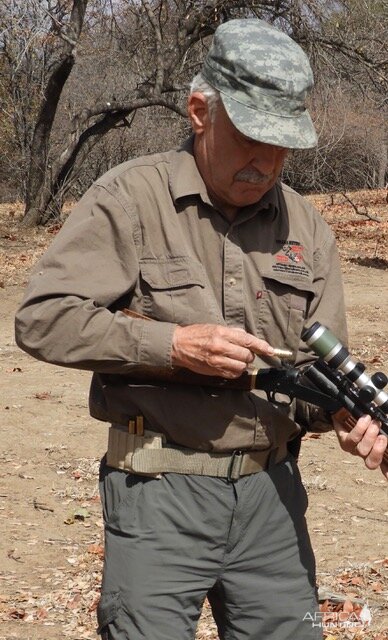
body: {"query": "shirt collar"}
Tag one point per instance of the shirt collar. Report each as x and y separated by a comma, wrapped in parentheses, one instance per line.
(185, 180)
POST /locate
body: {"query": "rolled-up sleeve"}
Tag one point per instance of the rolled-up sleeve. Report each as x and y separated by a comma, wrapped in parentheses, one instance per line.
(93, 262)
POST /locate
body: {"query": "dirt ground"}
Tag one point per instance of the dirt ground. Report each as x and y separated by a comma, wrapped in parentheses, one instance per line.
(50, 525)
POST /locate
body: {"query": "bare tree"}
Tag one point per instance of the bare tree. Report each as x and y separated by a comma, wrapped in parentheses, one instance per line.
(348, 153)
(38, 190)
(163, 34)
(348, 48)
(23, 63)
(151, 48)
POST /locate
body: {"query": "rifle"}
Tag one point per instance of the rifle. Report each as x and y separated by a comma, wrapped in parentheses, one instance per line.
(334, 381)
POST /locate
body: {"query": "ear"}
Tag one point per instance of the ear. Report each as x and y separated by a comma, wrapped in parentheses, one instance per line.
(198, 111)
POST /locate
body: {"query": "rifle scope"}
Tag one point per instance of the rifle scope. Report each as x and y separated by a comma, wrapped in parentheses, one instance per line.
(324, 343)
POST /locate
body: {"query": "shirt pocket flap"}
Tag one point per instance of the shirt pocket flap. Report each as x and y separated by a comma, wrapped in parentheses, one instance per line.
(172, 273)
(289, 283)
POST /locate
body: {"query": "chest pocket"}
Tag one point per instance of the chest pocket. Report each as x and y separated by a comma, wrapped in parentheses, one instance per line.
(283, 309)
(176, 290)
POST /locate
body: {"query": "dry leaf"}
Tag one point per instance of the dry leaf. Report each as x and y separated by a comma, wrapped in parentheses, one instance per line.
(96, 549)
(17, 614)
(44, 395)
(348, 606)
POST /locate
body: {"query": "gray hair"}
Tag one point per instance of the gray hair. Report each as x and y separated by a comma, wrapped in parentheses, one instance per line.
(212, 95)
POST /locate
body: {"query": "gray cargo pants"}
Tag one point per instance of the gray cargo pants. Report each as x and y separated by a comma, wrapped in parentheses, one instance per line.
(169, 542)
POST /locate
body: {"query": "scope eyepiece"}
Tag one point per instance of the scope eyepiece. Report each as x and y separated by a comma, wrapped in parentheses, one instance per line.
(379, 379)
(325, 344)
(367, 394)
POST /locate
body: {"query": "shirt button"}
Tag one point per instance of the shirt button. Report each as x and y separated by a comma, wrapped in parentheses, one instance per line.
(232, 282)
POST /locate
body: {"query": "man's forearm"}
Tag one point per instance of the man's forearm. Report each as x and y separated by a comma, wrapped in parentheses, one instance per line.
(72, 332)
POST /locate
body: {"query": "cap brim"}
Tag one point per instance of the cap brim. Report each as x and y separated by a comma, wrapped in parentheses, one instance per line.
(295, 132)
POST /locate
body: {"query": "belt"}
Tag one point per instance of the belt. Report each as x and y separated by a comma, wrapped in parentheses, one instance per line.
(149, 454)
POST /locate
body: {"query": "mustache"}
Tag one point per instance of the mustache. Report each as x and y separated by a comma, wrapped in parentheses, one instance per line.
(253, 176)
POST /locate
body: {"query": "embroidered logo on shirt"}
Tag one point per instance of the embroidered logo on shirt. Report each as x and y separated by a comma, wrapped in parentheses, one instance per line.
(290, 258)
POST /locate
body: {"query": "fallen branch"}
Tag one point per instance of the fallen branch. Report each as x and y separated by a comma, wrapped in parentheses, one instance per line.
(359, 213)
(41, 506)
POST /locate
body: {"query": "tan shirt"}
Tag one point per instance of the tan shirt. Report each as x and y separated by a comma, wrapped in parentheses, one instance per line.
(146, 236)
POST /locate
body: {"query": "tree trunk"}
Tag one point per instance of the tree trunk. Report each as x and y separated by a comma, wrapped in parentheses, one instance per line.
(39, 180)
(383, 166)
(79, 147)
(74, 156)
(38, 188)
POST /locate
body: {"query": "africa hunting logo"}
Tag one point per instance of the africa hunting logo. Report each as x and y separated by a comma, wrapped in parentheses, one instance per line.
(356, 619)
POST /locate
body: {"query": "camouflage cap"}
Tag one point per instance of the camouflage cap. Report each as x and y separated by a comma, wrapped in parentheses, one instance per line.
(263, 77)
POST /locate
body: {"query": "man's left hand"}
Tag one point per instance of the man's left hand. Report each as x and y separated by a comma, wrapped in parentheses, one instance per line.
(364, 440)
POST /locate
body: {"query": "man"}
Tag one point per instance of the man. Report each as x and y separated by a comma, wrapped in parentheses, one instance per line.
(199, 494)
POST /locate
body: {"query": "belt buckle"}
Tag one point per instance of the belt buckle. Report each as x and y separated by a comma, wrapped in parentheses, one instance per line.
(235, 464)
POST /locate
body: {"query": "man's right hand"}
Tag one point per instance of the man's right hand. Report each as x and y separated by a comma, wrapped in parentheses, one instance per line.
(364, 440)
(216, 350)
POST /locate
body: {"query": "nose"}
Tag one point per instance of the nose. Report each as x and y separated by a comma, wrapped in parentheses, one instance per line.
(268, 158)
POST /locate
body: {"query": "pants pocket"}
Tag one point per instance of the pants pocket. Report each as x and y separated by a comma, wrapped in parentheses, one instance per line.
(119, 492)
(107, 612)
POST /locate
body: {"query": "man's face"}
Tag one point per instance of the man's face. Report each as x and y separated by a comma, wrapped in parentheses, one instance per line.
(237, 170)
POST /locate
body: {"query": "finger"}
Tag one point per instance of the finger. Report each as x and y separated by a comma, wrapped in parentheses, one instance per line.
(368, 440)
(237, 343)
(223, 350)
(374, 459)
(254, 345)
(262, 348)
(350, 439)
(237, 352)
(225, 354)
